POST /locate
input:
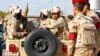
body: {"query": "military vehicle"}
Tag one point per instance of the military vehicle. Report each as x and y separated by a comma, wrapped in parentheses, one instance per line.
(39, 42)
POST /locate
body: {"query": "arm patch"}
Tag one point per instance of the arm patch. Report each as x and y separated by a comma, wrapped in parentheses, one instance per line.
(72, 36)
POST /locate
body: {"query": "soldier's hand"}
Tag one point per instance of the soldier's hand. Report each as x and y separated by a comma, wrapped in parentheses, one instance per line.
(65, 32)
(4, 36)
(24, 33)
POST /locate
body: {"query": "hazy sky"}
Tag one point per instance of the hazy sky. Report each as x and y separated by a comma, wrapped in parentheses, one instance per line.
(35, 6)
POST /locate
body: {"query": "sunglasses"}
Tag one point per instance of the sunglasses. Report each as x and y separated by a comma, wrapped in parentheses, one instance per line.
(55, 13)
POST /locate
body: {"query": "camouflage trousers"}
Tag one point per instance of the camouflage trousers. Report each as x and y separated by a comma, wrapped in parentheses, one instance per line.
(84, 52)
(97, 42)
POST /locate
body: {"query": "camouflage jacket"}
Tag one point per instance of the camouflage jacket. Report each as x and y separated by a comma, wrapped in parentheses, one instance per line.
(59, 25)
(12, 27)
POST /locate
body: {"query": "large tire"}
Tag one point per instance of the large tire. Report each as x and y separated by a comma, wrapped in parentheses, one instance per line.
(41, 42)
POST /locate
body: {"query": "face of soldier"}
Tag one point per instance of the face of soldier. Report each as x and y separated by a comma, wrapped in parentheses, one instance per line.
(74, 10)
(85, 9)
(55, 15)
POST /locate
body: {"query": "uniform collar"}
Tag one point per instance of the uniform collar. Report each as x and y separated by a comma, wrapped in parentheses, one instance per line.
(79, 14)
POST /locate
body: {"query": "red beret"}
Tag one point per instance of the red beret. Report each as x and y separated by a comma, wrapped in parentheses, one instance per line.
(79, 1)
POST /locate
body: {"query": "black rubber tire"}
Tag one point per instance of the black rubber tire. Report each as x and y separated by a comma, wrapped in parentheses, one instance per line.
(98, 54)
(50, 39)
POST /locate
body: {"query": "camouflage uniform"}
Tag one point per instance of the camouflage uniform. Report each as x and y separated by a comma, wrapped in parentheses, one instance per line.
(59, 23)
(5, 23)
(71, 43)
(53, 30)
(45, 22)
(58, 27)
(93, 14)
(96, 19)
(48, 22)
(76, 48)
(12, 27)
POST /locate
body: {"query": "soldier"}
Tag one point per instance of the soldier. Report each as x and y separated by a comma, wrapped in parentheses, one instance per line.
(66, 41)
(68, 20)
(92, 14)
(58, 21)
(13, 23)
(96, 20)
(57, 25)
(70, 43)
(81, 32)
(45, 21)
(44, 18)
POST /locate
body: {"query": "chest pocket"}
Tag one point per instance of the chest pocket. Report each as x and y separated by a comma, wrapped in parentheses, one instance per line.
(87, 31)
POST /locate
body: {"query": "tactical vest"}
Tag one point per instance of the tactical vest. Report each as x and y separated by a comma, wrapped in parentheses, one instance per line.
(86, 32)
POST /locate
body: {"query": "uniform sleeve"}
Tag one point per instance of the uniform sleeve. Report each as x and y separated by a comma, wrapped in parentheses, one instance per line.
(72, 37)
(5, 22)
(42, 24)
(96, 21)
(72, 30)
(10, 27)
(70, 45)
(15, 31)
(58, 23)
